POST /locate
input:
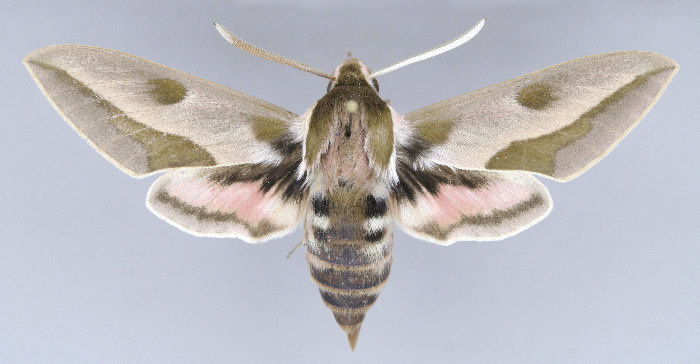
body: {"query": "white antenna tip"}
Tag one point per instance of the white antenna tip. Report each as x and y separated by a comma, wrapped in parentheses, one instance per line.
(463, 38)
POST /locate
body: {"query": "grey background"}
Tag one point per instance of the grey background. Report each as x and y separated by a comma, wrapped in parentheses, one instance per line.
(87, 274)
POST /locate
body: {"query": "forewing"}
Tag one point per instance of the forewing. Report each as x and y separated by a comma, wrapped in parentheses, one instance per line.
(557, 121)
(444, 205)
(252, 202)
(146, 117)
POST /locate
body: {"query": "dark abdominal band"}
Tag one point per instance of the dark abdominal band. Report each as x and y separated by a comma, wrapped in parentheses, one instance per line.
(349, 263)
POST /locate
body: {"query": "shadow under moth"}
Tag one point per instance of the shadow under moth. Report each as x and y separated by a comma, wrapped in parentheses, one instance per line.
(347, 168)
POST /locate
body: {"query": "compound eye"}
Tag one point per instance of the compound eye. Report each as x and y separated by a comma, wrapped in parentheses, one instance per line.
(328, 88)
(376, 84)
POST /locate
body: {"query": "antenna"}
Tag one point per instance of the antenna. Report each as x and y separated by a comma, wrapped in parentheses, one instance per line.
(463, 38)
(256, 51)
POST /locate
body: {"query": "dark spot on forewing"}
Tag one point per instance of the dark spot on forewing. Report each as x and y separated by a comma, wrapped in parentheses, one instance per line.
(536, 96)
(166, 91)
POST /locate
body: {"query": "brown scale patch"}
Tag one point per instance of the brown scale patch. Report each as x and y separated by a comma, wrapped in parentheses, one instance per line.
(435, 132)
(380, 129)
(536, 96)
(268, 129)
(318, 134)
(164, 150)
(538, 154)
(166, 91)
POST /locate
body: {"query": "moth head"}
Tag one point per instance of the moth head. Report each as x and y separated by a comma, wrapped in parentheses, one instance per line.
(352, 72)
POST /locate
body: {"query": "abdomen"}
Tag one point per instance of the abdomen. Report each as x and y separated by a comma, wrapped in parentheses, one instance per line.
(348, 235)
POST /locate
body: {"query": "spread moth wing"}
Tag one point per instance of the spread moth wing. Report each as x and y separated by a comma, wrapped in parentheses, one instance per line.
(145, 117)
(444, 205)
(252, 202)
(558, 121)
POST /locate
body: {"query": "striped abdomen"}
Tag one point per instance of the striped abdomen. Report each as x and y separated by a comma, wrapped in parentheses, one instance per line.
(349, 240)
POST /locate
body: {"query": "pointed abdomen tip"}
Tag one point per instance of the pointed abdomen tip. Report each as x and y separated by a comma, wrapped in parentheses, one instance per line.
(353, 332)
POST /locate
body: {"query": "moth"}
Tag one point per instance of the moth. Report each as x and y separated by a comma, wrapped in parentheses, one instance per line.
(350, 166)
